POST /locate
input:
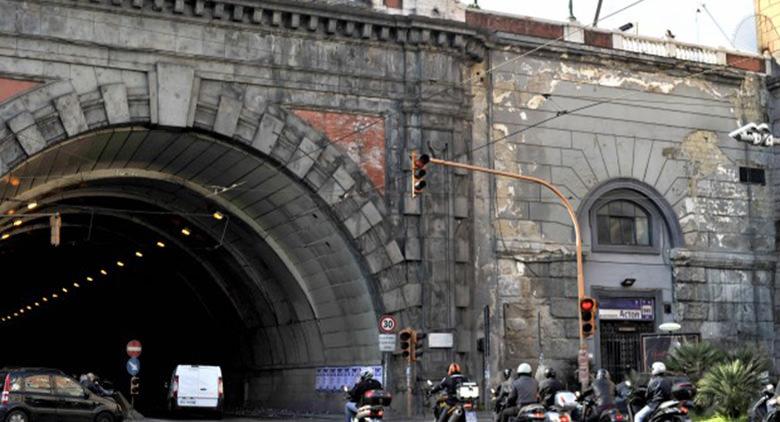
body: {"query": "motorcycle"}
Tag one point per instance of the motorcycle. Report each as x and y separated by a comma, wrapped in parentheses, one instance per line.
(371, 406)
(675, 410)
(760, 409)
(530, 413)
(465, 407)
(588, 407)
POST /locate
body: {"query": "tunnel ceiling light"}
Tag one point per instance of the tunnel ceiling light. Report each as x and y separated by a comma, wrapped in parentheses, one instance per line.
(11, 212)
(64, 290)
(185, 231)
(139, 254)
(16, 314)
(37, 304)
(5, 236)
(76, 285)
(54, 295)
(104, 272)
(90, 278)
(160, 244)
(29, 308)
(32, 205)
(17, 222)
(45, 299)
(120, 264)
(218, 215)
(21, 311)
(3, 319)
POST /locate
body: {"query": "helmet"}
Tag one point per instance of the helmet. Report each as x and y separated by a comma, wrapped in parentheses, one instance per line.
(524, 369)
(549, 373)
(659, 368)
(91, 377)
(366, 375)
(507, 373)
(602, 374)
(453, 369)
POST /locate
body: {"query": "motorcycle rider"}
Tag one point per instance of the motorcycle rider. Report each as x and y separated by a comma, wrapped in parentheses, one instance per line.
(525, 391)
(366, 383)
(659, 390)
(603, 391)
(90, 382)
(549, 387)
(503, 389)
(449, 385)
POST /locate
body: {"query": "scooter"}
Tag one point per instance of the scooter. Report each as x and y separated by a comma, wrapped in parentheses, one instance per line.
(588, 407)
(371, 407)
(675, 410)
(465, 408)
(564, 403)
(530, 413)
(760, 409)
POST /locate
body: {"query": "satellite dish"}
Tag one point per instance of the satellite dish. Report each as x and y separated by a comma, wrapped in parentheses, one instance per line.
(670, 327)
(745, 36)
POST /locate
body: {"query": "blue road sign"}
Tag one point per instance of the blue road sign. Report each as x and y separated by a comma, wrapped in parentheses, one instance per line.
(133, 366)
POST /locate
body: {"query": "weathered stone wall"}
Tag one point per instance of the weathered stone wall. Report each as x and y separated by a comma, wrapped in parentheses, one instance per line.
(666, 130)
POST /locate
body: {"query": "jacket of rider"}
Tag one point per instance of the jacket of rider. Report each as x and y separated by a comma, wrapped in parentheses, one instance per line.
(525, 390)
(603, 392)
(360, 388)
(450, 385)
(547, 390)
(659, 390)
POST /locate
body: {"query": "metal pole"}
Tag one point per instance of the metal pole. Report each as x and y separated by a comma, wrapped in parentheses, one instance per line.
(560, 196)
(598, 12)
(408, 390)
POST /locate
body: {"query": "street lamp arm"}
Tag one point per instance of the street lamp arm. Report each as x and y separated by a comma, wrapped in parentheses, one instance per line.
(561, 197)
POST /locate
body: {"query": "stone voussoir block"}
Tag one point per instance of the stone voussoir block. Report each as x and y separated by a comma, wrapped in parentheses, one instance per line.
(27, 132)
(71, 114)
(115, 103)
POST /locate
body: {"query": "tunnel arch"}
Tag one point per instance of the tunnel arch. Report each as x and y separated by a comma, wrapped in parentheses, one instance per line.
(54, 147)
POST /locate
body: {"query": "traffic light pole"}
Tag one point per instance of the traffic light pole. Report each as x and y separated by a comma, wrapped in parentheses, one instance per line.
(561, 197)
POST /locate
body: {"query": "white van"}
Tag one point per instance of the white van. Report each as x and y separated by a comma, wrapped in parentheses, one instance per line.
(196, 387)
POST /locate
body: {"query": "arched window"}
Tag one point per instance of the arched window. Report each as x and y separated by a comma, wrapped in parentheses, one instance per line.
(623, 223)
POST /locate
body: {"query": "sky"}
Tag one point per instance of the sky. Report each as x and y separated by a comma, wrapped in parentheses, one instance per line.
(654, 17)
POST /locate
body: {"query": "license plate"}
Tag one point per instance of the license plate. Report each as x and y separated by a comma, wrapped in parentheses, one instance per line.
(471, 416)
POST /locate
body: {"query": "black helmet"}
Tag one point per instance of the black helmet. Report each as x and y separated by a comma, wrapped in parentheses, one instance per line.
(549, 373)
(507, 373)
(602, 374)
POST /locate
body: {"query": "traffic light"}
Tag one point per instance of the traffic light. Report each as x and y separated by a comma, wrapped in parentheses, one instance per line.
(588, 311)
(408, 340)
(135, 386)
(418, 173)
(418, 344)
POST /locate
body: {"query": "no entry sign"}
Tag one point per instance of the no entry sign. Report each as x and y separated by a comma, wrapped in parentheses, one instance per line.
(134, 348)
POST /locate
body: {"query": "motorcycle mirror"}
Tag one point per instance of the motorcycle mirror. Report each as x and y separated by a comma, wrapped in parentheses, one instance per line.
(430, 384)
(577, 394)
(628, 383)
(770, 388)
(493, 390)
(346, 390)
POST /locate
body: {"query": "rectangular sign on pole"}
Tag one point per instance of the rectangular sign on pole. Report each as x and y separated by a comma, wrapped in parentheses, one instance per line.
(387, 342)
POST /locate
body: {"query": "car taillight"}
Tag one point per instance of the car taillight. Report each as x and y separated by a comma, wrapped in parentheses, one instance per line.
(368, 394)
(564, 418)
(378, 413)
(619, 417)
(6, 389)
(683, 410)
(220, 389)
(539, 415)
(467, 405)
(175, 386)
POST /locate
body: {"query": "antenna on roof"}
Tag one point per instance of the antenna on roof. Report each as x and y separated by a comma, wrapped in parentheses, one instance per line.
(571, 11)
(598, 12)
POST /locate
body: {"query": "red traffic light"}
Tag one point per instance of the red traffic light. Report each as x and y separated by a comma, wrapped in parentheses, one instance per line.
(421, 161)
(586, 305)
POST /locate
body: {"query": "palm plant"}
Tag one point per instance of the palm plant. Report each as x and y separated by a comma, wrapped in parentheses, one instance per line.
(729, 387)
(693, 359)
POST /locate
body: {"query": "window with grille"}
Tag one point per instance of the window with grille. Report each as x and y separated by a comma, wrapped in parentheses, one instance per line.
(623, 223)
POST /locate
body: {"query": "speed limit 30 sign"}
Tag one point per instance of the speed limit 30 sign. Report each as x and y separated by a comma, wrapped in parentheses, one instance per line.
(387, 324)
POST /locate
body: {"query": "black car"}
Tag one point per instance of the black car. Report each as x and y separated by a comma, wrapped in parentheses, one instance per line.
(48, 395)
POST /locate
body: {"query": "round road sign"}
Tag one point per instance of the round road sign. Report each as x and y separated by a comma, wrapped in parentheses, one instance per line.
(133, 366)
(387, 324)
(134, 348)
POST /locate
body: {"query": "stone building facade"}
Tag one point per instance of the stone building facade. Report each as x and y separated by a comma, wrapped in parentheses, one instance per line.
(326, 100)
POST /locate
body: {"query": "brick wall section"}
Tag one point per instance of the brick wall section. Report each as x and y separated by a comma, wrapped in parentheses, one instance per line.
(514, 25)
(598, 39)
(361, 136)
(746, 63)
(11, 87)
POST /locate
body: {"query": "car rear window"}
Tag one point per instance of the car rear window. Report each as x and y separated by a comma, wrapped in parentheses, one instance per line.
(37, 384)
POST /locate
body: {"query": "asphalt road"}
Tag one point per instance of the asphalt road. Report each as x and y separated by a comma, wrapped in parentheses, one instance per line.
(483, 417)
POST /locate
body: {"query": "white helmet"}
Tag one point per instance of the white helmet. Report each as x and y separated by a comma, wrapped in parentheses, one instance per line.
(524, 369)
(659, 368)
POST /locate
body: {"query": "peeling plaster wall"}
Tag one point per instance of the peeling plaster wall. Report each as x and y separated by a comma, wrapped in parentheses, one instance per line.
(667, 131)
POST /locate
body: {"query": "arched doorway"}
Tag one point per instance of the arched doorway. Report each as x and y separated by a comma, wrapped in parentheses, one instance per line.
(630, 230)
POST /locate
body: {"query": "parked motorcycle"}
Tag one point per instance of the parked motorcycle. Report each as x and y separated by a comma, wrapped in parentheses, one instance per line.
(371, 407)
(760, 409)
(465, 408)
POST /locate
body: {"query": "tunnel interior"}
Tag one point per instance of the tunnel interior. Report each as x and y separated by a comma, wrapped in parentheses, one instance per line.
(203, 251)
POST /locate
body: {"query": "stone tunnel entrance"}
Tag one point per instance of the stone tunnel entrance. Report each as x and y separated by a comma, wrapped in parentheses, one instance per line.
(206, 252)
